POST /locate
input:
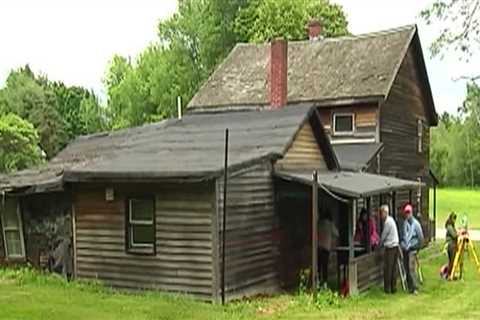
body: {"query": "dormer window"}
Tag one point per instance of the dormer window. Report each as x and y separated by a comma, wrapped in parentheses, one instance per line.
(343, 123)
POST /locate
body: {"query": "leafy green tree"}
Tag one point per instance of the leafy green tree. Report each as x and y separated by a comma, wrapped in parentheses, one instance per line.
(25, 97)
(460, 27)
(59, 112)
(455, 143)
(264, 20)
(191, 44)
(19, 144)
(71, 103)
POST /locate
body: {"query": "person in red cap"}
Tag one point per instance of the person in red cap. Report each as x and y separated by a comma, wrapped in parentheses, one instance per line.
(411, 242)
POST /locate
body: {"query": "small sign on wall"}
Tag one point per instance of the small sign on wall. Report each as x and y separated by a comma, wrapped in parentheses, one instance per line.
(109, 194)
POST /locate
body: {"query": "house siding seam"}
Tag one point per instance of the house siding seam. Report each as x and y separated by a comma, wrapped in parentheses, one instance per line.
(183, 259)
(251, 250)
(399, 114)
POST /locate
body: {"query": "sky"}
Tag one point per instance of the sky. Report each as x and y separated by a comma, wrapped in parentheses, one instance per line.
(73, 40)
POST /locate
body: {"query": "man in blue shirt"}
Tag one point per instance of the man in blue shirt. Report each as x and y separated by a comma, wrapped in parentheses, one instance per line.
(411, 241)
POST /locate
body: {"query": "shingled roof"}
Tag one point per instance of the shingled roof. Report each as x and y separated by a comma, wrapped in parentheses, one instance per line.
(188, 148)
(329, 69)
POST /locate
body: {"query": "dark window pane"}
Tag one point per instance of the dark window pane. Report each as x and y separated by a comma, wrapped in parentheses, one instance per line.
(141, 210)
(143, 234)
(344, 123)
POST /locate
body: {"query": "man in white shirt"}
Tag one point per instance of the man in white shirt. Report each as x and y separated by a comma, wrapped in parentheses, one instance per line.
(327, 234)
(389, 240)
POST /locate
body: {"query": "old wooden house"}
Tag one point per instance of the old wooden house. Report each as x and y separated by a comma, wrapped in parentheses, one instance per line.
(372, 93)
(142, 208)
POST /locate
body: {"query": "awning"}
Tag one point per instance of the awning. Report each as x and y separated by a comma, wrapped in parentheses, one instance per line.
(351, 184)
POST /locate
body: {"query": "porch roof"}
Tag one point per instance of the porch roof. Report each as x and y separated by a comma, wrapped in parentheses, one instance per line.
(351, 184)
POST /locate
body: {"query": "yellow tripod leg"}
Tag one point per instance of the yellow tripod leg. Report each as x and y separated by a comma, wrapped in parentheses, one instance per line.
(457, 260)
(473, 253)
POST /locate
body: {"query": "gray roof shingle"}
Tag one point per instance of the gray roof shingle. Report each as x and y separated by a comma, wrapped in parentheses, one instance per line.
(192, 147)
(345, 67)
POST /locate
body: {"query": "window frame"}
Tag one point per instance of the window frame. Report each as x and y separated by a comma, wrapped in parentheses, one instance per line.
(18, 229)
(343, 133)
(420, 129)
(130, 223)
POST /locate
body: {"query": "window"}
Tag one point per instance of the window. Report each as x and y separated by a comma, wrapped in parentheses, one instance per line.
(141, 225)
(343, 123)
(12, 229)
(420, 135)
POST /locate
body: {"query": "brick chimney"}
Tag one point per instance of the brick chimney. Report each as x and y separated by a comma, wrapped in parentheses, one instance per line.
(315, 29)
(278, 73)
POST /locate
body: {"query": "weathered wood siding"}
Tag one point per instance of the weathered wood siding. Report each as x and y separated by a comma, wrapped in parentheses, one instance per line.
(398, 129)
(2, 248)
(369, 270)
(251, 249)
(183, 259)
(304, 153)
(366, 119)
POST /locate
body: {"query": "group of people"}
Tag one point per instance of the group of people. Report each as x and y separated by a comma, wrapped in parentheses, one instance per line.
(408, 243)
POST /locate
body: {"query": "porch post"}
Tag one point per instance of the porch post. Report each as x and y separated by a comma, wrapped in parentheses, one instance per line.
(352, 264)
(434, 211)
(369, 245)
(314, 231)
(394, 205)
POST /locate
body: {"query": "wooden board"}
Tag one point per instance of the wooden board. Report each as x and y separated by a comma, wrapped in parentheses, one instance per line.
(365, 114)
(183, 259)
(369, 270)
(251, 251)
(304, 153)
(405, 105)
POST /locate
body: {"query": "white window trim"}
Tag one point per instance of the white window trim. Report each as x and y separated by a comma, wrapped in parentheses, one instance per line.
(133, 223)
(420, 128)
(343, 133)
(19, 229)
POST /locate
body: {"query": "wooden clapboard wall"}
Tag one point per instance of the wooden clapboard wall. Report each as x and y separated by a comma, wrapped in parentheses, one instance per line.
(366, 120)
(399, 115)
(369, 270)
(251, 251)
(183, 260)
(304, 152)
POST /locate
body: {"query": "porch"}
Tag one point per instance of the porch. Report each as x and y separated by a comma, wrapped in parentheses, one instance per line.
(343, 194)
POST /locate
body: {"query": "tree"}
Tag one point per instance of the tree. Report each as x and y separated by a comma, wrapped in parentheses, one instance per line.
(455, 143)
(19, 144)
(79, 109)
(264, 20)
(26, 98)
(460, 21)
(59, 113)
(191, 44)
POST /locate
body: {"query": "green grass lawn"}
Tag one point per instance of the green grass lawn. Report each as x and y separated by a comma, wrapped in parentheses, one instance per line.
(26, 295)
(459, 200)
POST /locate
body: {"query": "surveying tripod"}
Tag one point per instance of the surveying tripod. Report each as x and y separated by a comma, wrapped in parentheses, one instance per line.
(463, 243)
